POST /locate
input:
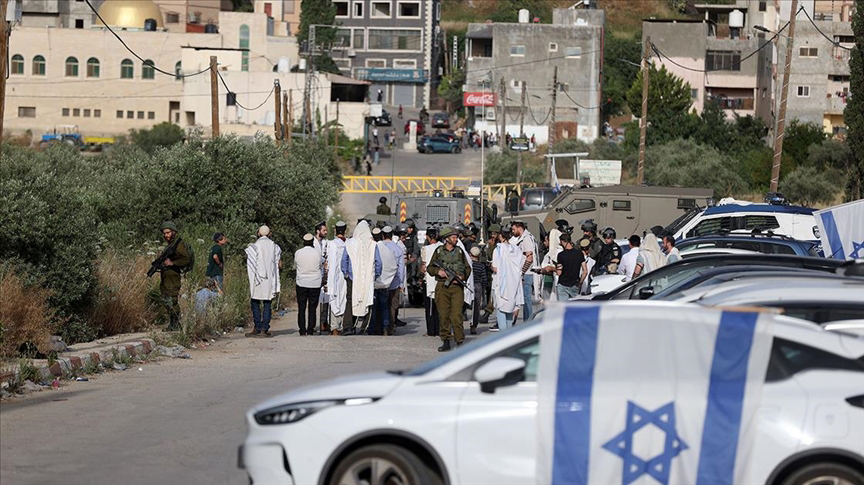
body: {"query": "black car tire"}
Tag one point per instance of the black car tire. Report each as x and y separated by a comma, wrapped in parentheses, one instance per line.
(395, 465)
(454, 150)
(829, 470)
(429, 150)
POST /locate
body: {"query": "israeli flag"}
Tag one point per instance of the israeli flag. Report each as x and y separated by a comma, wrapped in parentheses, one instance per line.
(649, 394)
(841, 230)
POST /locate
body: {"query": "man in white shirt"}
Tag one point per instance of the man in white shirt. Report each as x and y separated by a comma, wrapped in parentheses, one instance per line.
(307, 263)
(672, 253)
(263, 262)
(389, 272)
(323, 246)
(524, 240)
(628, 261)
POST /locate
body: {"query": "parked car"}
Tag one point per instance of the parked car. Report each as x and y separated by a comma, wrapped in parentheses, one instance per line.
(765, 243)
(660, 278)
(421, 128)
(440, 120)
(383, 120)
(788, 220)
(477, 415)
(438, 144)
(708, 277)
(537, 198)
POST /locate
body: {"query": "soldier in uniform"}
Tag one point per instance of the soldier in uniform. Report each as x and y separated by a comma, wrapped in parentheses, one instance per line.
(449, 299)
(412, 251)
(589, 230)
(383, 208)
(176, 258)
(610, 254)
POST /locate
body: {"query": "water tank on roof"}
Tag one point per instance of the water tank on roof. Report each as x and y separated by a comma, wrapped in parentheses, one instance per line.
(736, 19)
(524, 16)
(150, 25)
(211, 29)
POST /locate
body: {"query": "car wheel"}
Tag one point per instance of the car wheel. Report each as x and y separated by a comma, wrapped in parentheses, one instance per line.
(429, 150)
(825, 473)
(382, 465)
(454, 150)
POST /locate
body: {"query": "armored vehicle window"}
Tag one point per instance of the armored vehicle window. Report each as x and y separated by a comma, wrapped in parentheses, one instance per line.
(760, 222)
(620, 205)
(435, 213)
(686, 203)
(711, 226)
(580, 205)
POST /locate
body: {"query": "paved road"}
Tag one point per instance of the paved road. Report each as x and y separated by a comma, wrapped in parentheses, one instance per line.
(180, 421)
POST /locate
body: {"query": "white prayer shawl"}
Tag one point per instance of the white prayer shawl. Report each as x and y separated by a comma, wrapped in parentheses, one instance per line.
(426, 253)
(551, 259)
(468, 291)
(323, 246)
(389, 267)
(651, 255)
(361, 251)
(507, 285)
(262, 267)
(527, 243)
(589, 263)
(336, 287)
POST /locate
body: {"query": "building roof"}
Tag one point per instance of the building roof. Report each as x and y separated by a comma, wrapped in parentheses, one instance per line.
(721, 7)
(484, 32)
(130, 14)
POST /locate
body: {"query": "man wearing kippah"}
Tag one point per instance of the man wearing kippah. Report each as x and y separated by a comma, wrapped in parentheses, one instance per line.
(307, 263)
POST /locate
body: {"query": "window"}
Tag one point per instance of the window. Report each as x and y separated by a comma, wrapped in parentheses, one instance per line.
(178, 69)
(147, 71)
(130, 114)
(244, 44)
(404, 63)
(789, 358)
(79, 23)
(764, 223)
(140, 115)
(580, 205)
(268, 9)
(26, 111)
(376, 63)
(92, 67)
(808, 52)
(573, 52)
(401, 40)
(621, 205)
(528, 351)
(119, 113)
(71, 67)
(380, 10)
(76, 112)
(763, 6)
(359, 39)
(342, 40)
(341, 8)
(563, 87)
(553, 47)
(38, 66)
(151, 115)
(711, 226)
(516, 83)
(517, 50)
(65, 111)
(97, 113)
(723, 61)
(803, 91)
(409, 10)
(86, 113)
(694, 94)
(172, 18)
(358, 10)
(127, 69)
(17, 64)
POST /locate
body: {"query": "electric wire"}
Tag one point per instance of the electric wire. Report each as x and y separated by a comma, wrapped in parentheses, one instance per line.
(579, 105)
(273, 89)
(832, 41)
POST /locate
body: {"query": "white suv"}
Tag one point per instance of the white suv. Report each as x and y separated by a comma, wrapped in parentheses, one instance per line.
(471, 417)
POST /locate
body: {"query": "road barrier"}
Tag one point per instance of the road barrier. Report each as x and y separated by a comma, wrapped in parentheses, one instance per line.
(413, 186)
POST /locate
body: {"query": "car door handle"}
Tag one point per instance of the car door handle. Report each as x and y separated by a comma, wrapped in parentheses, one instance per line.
(631, 217)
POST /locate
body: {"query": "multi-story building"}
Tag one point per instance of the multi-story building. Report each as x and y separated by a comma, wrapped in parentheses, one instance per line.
(67, 14)
(191, 15)
(286, 14)
(526, 54)
(85, 77)
(393, 44)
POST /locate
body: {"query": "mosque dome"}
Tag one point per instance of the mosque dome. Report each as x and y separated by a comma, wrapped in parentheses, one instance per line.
(130, 14)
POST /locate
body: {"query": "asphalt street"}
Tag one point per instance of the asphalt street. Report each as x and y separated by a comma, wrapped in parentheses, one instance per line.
(179, 421)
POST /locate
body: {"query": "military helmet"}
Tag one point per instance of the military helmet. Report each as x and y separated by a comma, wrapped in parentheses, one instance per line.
(495, 228)
(399, 229)
(432, 232)
(589, 225)
(410, 223)
(507, 229)
(609, 232)
(446, 231)
(382, 200)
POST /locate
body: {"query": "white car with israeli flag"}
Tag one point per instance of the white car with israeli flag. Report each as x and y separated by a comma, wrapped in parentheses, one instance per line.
(626, 392)
(841, 230)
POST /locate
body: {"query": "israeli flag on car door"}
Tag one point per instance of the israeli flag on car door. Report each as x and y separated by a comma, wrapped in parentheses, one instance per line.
(648, 393)
(841, 230)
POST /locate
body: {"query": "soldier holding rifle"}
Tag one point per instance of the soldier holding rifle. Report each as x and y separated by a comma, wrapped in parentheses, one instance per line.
(170, 264)
(450, 269)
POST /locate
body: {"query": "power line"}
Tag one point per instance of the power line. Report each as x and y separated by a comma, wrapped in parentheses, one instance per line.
(579, 105)
(832, 41)
(734, 64)
(174, 74)
(553, 58)
(235, 94)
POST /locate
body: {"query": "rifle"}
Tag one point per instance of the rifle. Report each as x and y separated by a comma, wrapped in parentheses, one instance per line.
(452, 277)
(159, 263)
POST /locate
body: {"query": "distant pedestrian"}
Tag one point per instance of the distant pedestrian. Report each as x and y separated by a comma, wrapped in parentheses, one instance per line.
(380, 95)
(368, 166)
(585, 275)
(361, 265)
(307, 263)
(263, 262)
(216, 261)
(628, 261)
(176, 258)
(205, 296)
(507, 288)
(377, 155)
(400, 111)
(672, 253)
(387, 138)
(375, 136)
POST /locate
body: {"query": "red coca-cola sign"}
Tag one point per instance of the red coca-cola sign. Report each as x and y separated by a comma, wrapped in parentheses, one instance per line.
(478, 99)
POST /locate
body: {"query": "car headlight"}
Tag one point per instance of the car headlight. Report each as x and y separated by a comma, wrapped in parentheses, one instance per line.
(291, 413)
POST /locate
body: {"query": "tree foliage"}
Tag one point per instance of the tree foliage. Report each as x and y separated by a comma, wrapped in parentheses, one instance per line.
(797, 140)
(450, 89)
(854, 112)
(618, 53)
(318, 12)
(686, 163)
(669, 103)
(807, 185)
(164, 134)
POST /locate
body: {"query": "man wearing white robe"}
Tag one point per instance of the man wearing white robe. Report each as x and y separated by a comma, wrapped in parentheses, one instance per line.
(336, 288)
(526, 243)
(550, 261)
(361, 264)
(431, 311)
(507, 263)
(263, 262)
(322, 244)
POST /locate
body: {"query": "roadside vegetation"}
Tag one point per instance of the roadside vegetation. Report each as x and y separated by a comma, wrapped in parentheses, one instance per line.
(79, 232)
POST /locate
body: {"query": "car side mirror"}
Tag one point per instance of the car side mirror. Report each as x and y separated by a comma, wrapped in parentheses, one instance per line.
(646, 293)
(499, 372)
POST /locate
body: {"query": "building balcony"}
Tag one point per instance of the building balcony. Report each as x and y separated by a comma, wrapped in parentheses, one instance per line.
(836, 104)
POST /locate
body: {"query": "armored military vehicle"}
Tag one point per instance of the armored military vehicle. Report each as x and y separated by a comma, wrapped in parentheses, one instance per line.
(630, 209)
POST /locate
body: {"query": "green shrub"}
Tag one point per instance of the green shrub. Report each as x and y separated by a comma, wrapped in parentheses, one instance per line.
(810, 185)
(685, 163)
(161, 135)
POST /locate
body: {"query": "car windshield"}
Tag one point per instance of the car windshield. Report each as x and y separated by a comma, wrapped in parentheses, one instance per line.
(428, 367)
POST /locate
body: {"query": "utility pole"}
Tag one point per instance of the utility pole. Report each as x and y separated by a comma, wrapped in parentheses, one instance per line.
(781, 116)
(286, 128)
(290, 116)
(643, 122)
(551, 141)
(522, 111)
(336, 142)
(5, 31)
(502, 95)
(214, 97)
(277, 123)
